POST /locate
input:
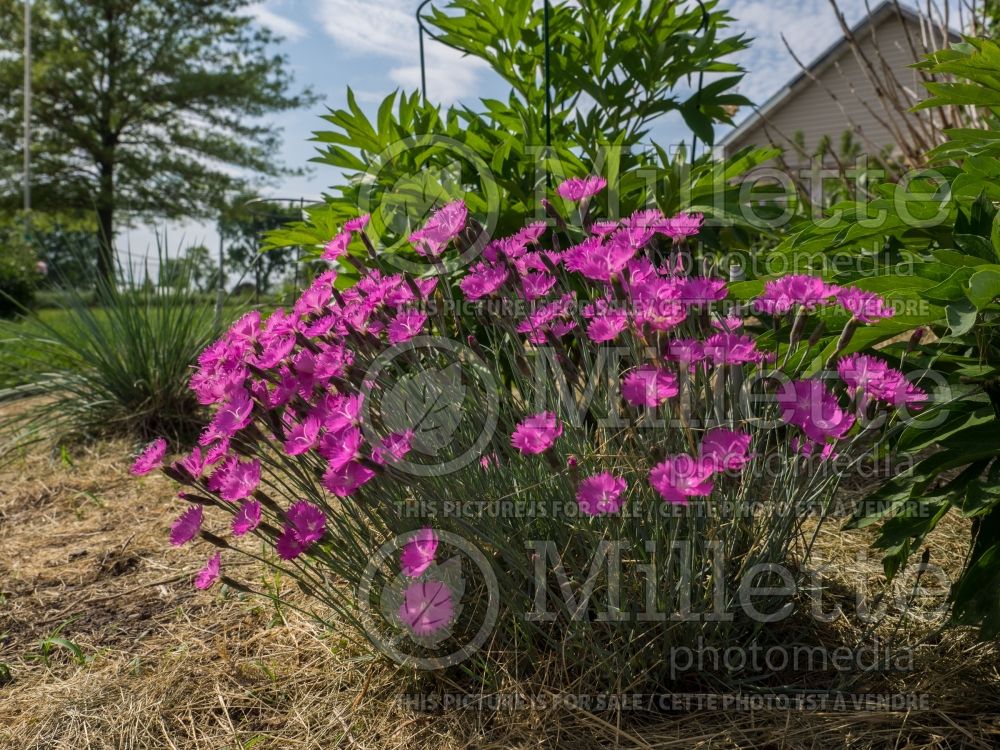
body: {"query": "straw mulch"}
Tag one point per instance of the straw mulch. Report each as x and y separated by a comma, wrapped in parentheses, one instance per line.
(108, 646)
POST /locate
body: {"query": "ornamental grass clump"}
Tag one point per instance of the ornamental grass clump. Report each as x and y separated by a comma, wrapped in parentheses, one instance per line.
(113, 361)
(561, 462)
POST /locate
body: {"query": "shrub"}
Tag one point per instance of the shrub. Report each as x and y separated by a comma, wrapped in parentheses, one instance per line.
(118, 367)
(498, 429)
(498, 154)
(937, 251)
(19, 276)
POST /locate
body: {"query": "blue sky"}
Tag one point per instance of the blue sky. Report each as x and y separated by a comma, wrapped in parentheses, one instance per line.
(372, 47)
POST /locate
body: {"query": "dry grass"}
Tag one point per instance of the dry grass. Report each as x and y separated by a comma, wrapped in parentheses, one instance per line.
(84, 556)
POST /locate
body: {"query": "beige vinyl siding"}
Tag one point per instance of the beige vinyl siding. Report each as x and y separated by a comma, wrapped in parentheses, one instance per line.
(809, 108)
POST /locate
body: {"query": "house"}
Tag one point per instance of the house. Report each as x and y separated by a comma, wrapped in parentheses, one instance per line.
(862, 84)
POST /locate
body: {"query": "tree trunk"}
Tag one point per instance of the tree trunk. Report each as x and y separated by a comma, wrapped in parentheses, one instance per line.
(106, 224)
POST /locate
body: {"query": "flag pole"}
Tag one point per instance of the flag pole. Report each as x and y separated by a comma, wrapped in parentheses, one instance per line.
(27, 116)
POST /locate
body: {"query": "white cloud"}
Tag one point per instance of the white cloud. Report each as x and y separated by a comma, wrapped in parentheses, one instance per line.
(280, 25)
(388, 28)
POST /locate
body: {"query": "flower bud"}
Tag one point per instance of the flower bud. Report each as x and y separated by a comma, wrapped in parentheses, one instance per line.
(817, 333)
(214, 540)
(551, 211)
(797, 326)
(197, 499)
(843, 341)
(236, 585)
(266, 501)
(175, 472)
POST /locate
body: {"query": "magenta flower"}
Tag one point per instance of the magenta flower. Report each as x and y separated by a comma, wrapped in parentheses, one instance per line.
(577, 188)
(305, 524)
(510, 248)
(598, 260)
(607, 326)
(865, 307)
(537, 284)
(550, 319)
(337, 247)
(217, 452)
(861, 371)
(406, 325)
(232, 417)
(307, 520)
(699, 290)
(332, 361)
(440, 229)
(531, 233)
(358, 224)
(600, 494)
(649, 386)
(341, 447)
(418, 554)
(210, 573)
(808, 404)
(303, 435)
(781, 295)
(729, 324)
(483, 280)
(345, 480)
(679, 477)
(537, 433)
(220, 475)
(193, 463)
(240, 480)
(393, 447)
(426, 607)
(247, 518)
(640, 227)
(187, 526)
(603, 228)
(900, 392)
(807, 447)
(314, 300)
(876, 379)
(288, 546)
(685, 352)
(731, 348)
(683, 225)
(150, 458)
(656, 301)
(274, 348)
(726, 449)
(341, 411)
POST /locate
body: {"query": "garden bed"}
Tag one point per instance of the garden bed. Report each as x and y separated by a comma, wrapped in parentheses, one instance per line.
(109, 645)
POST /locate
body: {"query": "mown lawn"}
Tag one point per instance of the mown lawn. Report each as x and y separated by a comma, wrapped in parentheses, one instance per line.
(20, 361)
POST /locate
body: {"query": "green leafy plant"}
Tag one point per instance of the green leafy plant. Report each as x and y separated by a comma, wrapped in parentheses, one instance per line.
(933, 243)
(607, 88)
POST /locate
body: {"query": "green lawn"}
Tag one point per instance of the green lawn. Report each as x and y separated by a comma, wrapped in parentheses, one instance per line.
(19, 360)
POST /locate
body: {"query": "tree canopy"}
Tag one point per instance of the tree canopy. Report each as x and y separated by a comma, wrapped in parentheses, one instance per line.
(141, 106)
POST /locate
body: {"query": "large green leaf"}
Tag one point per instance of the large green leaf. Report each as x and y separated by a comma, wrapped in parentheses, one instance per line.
(984, 286)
